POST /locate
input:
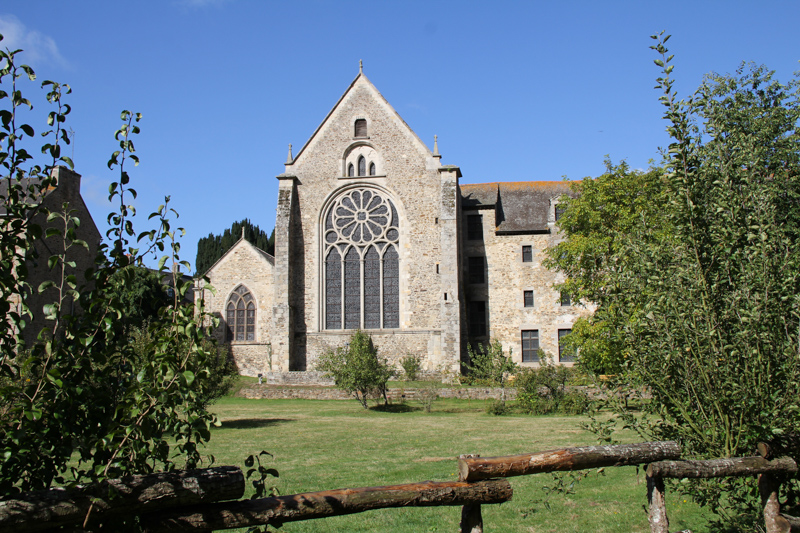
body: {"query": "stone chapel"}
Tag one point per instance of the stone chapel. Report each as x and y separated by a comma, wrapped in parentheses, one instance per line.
(373, 232)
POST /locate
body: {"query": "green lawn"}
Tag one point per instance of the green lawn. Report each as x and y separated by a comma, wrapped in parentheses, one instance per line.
(319, 445)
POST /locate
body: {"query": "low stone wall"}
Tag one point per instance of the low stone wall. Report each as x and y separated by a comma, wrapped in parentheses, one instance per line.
(267, 392)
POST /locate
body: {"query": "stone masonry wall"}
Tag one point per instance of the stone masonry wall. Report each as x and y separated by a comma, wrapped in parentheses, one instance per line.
(408, 175)
(244, 264)
(507, 276)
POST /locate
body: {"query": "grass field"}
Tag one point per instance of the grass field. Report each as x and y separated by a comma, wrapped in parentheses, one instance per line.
(319, 445)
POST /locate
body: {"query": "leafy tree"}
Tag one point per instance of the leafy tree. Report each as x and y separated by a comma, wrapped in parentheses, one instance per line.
(544, 390)
(706, 296)
(598, 223)
(211, 248)
(488, 366)
(357, 369)
(84, 407)
(141, 293)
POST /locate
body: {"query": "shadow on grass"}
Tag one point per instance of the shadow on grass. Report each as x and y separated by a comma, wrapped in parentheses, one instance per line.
(395, 408)
(253, 423)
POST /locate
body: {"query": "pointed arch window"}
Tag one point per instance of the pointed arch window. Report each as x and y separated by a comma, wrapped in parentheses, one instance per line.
(361, 262)
(350, 170)
(241, 315)
(362, 166)
(372, 169)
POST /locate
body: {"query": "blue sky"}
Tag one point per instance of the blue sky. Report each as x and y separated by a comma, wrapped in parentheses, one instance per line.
(515, 91)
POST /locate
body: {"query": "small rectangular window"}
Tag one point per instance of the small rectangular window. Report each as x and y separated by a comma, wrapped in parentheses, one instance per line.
(559, 212)
(476, 270)
(361, 127)
(527, 253)
(475, 227)
(566, 301)
(477, 319)
(564, 355)
(527, 297)
(530, 345)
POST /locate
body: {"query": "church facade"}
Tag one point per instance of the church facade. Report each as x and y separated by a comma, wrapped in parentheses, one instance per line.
(374, 233)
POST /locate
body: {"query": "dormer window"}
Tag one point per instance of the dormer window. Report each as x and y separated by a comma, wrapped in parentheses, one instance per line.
(361, 127)
(362, 166)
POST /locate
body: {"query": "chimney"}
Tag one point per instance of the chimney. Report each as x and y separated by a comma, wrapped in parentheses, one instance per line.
(68, 183)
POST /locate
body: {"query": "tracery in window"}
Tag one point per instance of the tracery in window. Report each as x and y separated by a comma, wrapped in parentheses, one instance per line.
(241, 315)
(362, 266)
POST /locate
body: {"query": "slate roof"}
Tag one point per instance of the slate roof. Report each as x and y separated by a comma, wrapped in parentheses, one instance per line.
(25, 183)
(520, 206)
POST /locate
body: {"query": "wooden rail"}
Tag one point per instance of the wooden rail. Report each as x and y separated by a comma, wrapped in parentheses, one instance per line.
(193, 500)
(278, 510)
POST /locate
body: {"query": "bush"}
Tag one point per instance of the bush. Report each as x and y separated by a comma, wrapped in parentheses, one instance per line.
(356, 369)
(428, 395)
(488, 366)
(497, 407)
(411, 366)
(544, 390)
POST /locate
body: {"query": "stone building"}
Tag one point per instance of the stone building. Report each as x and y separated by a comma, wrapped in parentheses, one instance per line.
(373, 232)
(64, 192)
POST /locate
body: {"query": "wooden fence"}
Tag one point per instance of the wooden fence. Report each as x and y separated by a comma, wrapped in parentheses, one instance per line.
(200, 500)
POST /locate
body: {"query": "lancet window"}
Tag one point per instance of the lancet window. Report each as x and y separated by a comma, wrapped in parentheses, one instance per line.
(361, 262)
(241, 315)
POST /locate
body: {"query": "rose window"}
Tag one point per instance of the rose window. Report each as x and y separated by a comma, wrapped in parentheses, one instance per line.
(361, 261)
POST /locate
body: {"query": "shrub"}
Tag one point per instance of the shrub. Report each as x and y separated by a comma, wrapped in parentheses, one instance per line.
(488, 366)
(356, 369)
(497, 407)
(428, 395)
(544, 390)
(411, 366)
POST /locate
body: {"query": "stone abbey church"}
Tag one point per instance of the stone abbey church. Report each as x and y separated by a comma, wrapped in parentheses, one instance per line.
(374, 233)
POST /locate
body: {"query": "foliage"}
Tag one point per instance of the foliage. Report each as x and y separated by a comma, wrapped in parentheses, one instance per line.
(488, 366)
(706, 296)
(544, 390)
(357, 369)
(211, 248)
(427, 395)
(141, 293)
(222, 374)
(497, 407)
(598, 222)
(85, 406)
(411, 364)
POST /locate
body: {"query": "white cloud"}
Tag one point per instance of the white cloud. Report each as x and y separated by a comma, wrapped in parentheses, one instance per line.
(39, 48)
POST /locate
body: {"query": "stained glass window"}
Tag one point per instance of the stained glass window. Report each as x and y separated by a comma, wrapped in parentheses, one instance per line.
(362, 268)
(240, 315)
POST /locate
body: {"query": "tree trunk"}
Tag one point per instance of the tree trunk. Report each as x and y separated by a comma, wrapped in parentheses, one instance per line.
(738, 466)
(276, 511)
(657, 513)
(36, 511)
(472, 469)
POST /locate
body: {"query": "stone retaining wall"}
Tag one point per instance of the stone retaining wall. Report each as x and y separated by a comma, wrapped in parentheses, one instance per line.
(266, 392)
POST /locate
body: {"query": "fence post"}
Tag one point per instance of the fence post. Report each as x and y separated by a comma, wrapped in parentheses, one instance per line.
(768, 486)
(657, 513)
(471, 518)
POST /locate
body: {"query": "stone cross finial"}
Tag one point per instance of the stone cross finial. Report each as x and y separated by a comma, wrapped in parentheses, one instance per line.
(242, 232)
(289, 157)
(435, 145)
(360, 66)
